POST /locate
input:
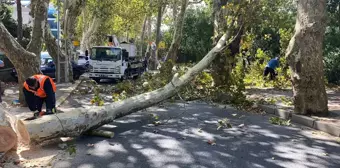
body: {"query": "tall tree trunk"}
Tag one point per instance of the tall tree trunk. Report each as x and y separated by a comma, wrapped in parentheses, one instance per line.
(19, 29)
(40, 19)
(64, 71)
(304, 55)
(25, 62)
(174, 11)
(143, 35)
(176, 41)
(86, 38)
(154, 55)
(225, 60)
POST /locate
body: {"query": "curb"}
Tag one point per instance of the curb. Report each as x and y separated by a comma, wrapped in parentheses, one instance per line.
(66, 95)
(303, 120)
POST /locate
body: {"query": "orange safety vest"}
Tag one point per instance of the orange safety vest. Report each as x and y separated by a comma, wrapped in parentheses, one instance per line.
(41, 79)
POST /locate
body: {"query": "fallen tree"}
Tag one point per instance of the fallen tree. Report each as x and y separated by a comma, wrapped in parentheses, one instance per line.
(77, 121)
(74, 122)
(11, 129)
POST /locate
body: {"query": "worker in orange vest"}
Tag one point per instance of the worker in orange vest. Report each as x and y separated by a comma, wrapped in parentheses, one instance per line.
(37, 90)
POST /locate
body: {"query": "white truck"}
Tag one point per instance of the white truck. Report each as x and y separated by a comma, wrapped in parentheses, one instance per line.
(114, 62)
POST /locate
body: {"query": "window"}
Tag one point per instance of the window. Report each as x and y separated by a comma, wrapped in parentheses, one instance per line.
(106, 53)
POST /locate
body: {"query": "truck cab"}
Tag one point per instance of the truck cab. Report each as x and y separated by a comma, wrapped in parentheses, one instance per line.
(110, 62)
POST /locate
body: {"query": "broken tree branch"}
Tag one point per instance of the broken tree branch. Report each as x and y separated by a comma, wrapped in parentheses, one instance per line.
(77, 121)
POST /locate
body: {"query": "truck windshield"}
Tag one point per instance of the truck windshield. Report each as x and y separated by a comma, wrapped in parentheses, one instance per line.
(106, 54)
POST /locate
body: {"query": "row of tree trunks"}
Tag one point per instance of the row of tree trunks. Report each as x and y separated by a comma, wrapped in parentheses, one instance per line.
(77, 121)
(305, 58)
(176, 41)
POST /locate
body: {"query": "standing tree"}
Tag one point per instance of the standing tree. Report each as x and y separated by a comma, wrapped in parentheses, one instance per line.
(26, 62)
(225, 61)
(19, 15)
(305, 58)
(176, 41)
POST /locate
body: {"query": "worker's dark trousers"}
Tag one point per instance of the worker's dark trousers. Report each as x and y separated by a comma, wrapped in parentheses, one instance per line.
(35, 103)
(270, 71)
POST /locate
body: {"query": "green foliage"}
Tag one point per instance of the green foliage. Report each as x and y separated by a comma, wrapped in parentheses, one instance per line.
(11, 24)
(97, 99)
(224, 123)
(279, 121)
(197, 33)
(71, 148)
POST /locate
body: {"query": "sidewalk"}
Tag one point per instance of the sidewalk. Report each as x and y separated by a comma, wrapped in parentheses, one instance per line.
(279, 102)
(12, 93)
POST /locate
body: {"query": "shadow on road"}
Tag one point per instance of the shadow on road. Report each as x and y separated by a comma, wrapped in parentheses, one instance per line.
(182, 142)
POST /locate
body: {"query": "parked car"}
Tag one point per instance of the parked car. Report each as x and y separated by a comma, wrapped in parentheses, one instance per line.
(83, 60)
(48, 67)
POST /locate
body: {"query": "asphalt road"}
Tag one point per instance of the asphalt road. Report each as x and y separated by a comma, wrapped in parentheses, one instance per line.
(252, 142)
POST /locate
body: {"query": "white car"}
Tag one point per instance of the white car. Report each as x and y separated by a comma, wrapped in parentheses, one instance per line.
(82, 60)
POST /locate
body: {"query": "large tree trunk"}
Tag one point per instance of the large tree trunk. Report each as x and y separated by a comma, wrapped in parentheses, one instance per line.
(25, 63)
(225, 60)
(76, 121)
(86, 43)
(174, 11)
(304, 55)
(19, 29)
(11, 130)
(64, 68)
(8, 137)
(31, 65)
(176, 41)
(143, 35)
(153, 63)
(40, 19)
(57, 55)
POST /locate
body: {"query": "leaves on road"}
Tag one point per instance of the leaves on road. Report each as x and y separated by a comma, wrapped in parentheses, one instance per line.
(223, 124)
(279, 121)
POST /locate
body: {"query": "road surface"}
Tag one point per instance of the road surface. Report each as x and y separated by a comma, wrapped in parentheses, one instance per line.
(182, 142)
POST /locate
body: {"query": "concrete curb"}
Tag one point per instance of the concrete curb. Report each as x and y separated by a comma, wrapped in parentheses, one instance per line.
(66, 95)
(303, 120)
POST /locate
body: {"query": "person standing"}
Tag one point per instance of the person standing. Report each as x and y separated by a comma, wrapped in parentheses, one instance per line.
(37, 90)
(270, 68)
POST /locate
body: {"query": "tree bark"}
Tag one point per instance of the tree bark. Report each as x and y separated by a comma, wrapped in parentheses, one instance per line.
(176, 41)
(174, 11)
(19, 29)
(25, 62)
(77, 121)
(86, 39)
(143, 35)
(154, 61)
(8, 137)
(11, 130)
(304, 55)
(39, 21)
(225, 60)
